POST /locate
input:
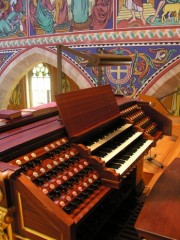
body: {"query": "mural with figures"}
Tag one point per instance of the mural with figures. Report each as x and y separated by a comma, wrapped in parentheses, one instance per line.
(148, 13)
(13, 18)
(57, 16)
(53, 16)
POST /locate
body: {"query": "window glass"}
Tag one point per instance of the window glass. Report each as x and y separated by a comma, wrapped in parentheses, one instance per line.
(40, 85)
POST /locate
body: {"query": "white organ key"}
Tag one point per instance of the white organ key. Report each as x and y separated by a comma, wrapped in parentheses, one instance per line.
(134, 157)
(114, 152)
(100, 142)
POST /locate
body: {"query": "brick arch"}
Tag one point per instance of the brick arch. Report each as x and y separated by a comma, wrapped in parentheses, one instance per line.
(25, 62)
(165, 82)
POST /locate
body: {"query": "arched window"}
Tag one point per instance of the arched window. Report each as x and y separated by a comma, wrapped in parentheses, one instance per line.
(40, 85)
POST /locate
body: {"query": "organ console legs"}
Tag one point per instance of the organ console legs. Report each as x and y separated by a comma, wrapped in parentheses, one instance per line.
(152, 160)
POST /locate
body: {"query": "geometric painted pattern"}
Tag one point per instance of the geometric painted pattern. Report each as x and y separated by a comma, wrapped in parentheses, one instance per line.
(6, 56)
(96, 38)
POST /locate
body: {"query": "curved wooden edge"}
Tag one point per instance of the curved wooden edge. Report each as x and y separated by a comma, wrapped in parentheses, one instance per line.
(6, 170)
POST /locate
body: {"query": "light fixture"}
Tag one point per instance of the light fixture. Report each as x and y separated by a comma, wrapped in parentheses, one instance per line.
(93, 60)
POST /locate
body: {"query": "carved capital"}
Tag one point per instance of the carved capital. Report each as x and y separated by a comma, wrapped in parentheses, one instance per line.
(1, 195)
(5, 220)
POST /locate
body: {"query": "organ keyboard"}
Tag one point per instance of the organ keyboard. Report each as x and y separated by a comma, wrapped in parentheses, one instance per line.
(110, 132)
(93, 144)
(125, 160)
(59, 175)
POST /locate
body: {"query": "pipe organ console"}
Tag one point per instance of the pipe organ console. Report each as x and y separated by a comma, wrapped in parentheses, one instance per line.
(60, 179)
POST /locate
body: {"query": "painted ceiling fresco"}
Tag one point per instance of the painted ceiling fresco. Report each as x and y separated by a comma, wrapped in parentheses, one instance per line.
(146, 30)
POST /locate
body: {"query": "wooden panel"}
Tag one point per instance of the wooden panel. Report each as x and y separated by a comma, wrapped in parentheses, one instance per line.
(83, 109)
(159, 218)
(37, 215)
(21, 136)
(26, 127)
(155, 103)
(164, 123)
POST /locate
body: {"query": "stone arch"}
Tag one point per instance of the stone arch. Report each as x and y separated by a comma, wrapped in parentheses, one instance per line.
(166, 82)
(25, 62)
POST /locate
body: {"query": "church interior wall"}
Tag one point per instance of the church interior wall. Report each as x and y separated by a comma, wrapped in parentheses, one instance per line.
(152, 42)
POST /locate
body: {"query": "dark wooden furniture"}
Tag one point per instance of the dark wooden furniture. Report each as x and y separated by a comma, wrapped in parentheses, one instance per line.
(160, 216)
(52, 184)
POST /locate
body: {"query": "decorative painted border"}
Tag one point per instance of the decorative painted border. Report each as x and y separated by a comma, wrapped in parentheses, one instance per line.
(12, 53)
(93, 38)
(80, 47)
(155, 74)
(80, 67)
(144, 85)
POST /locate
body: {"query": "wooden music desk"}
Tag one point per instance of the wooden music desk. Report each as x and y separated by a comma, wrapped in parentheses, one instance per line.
(160, 215)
